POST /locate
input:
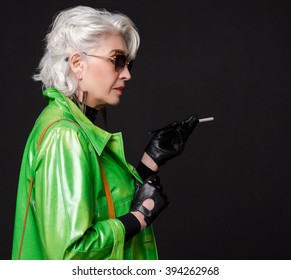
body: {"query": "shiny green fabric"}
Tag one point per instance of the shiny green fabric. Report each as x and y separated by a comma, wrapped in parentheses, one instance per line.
(67, 214)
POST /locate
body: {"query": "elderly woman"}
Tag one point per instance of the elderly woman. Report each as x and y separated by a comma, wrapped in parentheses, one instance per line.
(78, 198)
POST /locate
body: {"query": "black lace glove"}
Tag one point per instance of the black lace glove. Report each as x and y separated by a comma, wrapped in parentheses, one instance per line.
(151, 189)
(169, 141)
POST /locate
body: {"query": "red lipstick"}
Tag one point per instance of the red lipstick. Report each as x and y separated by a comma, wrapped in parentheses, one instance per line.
(119, 89)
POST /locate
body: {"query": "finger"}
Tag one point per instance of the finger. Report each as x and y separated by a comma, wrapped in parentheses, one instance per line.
(180, 139)
(192, 120)
(190, 123)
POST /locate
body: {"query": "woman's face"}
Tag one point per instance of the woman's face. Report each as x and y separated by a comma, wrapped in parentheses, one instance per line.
(99, 78)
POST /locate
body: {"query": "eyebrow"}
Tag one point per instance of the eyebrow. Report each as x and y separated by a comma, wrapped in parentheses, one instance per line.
(117, 51)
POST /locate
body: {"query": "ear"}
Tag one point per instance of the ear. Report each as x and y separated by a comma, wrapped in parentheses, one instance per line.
(77, 65)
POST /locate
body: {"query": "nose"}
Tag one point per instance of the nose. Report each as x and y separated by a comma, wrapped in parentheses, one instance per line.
(125, 74)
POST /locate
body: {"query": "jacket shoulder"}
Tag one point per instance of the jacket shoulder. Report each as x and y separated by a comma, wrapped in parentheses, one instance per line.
(62, 127)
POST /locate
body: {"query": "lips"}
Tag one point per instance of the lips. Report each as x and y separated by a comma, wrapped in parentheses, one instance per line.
(119, 89)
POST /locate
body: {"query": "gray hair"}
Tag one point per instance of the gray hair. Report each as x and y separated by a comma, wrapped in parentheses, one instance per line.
(80, 29)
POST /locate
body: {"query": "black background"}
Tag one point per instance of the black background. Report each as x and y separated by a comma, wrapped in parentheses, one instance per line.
(230, 189)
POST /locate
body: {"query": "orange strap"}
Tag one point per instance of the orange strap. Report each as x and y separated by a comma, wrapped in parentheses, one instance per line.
(110, 205)
(25, 217)
(44, 131)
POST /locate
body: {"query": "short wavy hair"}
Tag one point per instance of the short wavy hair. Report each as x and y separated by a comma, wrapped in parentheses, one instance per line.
(80, 29)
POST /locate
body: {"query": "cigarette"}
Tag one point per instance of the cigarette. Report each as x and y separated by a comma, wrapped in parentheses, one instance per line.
(206, 119)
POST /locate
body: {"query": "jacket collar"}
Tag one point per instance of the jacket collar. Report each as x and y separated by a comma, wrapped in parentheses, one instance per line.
(97, 136)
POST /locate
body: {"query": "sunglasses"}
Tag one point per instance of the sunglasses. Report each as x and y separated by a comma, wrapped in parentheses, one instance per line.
(119, 60)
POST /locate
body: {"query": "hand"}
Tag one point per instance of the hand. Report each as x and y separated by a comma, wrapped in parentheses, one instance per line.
(169, 141)
(149, 199)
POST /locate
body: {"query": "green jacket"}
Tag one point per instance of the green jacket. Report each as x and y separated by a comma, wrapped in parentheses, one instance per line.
(61, 191)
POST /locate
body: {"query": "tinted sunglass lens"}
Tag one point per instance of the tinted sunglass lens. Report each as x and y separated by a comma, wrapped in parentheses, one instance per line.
(120, 62)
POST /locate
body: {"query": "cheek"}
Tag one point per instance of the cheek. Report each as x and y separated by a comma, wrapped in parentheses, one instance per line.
(107, 81)
(100, 79)
(94, 79)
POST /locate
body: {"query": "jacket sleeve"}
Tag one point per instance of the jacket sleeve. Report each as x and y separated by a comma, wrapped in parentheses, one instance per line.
(65, 199)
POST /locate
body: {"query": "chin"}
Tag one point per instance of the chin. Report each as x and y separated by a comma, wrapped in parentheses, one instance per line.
(116, 102)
